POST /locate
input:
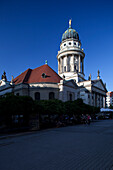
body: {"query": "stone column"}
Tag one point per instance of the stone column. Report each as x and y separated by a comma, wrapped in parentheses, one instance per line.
(73, 63)
(99, 99)
(96, 99)
(79, 69)
(61, 65)
(67, 66)
(93, 99)
(58, 66)
(83, 65)
(102, 100)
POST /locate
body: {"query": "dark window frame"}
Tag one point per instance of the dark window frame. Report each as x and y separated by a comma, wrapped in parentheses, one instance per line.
(70, 97)
(37, 95)
(64, 68)
(51, 95)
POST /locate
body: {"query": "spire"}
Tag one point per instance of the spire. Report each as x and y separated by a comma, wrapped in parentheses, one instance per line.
(70, 23)
(98, 76)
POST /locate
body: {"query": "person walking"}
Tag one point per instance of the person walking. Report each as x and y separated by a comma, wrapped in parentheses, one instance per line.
(88, 119)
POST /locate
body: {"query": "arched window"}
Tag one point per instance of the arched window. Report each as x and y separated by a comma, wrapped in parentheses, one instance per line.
(51, 95)
(37, 96)
(81, 66)
(64, 68)
(68, 63)
(70, 97)
(74, 67)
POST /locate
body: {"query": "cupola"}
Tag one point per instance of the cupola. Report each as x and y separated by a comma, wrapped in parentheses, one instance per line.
(71, 56)
(70, 33)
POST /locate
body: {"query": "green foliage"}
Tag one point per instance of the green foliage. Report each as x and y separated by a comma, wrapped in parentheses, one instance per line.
(77, 107)
(111, 107)
(15, 105)
(11, 105)
(50, 107)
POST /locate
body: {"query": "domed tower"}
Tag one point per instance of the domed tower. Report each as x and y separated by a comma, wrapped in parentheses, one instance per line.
(71, 56)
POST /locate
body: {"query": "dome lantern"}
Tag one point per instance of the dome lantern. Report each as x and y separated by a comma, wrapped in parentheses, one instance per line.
(70, 33)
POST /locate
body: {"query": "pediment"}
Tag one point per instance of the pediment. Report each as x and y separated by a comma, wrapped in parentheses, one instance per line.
(70, 83)
(100, 85)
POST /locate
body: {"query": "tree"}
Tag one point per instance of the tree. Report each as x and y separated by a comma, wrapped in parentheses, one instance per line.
(11, 106)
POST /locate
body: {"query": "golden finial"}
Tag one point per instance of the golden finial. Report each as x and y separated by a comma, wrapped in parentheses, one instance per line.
(70, 23)
(12, 79)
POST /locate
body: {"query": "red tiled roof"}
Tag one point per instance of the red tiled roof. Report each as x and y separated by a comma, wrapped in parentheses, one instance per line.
(22, 78)
(35, 75)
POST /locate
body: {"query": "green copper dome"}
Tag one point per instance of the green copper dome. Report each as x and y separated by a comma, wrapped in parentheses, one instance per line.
(70, 33)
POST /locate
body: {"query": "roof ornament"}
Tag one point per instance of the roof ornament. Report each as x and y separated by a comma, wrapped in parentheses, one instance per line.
(4, 76)
(89, 78)
(46, 62)
(12, 79)
(70, 23)
(98, 76)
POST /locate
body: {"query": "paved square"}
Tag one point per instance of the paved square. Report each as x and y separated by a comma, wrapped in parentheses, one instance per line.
(80, 147)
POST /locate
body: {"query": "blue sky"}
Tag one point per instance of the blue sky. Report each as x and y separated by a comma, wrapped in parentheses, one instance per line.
(31, 31)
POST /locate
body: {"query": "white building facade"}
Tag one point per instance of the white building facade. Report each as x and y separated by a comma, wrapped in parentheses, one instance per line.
(43, 83)
(71, 67)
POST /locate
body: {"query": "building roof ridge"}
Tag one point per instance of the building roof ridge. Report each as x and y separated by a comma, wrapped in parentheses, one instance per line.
(21, 78)
(27, 75)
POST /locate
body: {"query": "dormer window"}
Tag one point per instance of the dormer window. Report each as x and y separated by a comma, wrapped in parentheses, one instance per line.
(69, 43)
(64, 44)
(44, 75)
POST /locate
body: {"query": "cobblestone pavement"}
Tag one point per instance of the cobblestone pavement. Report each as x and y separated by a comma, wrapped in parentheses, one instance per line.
(80, 147)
